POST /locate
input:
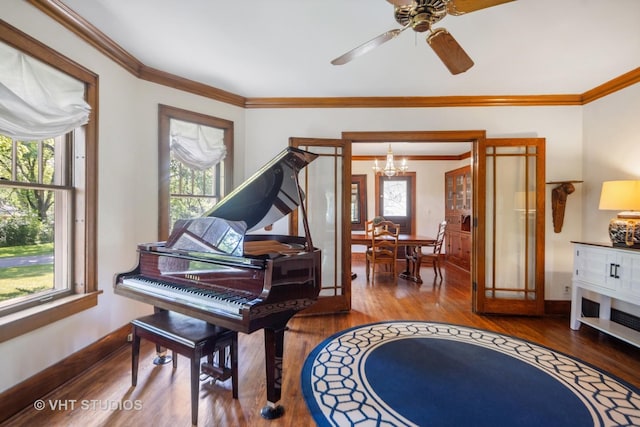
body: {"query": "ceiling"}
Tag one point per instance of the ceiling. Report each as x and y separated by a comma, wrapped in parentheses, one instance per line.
(283, 48)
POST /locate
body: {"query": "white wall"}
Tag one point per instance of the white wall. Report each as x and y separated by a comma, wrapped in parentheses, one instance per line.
(611, 152)
(127, 195)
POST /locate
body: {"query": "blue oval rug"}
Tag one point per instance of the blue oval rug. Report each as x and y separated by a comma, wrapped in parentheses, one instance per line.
(434, 374)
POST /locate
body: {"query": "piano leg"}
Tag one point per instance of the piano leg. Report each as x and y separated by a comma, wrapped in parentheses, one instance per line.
(274, 346)
(162, 358)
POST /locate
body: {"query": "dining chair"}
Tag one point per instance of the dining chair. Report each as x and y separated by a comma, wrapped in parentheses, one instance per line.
(384, 246)
(436, 248)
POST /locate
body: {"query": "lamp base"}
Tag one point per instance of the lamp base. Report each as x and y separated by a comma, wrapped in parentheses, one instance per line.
(625, 232)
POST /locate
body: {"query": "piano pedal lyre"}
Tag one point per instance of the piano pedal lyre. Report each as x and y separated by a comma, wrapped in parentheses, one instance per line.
(214, 373)
(218, 366)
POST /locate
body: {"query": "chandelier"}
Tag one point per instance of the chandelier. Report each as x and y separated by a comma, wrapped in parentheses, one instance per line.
(390, 168)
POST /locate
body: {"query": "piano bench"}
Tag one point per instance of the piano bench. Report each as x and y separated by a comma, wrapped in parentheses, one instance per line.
(194, 339)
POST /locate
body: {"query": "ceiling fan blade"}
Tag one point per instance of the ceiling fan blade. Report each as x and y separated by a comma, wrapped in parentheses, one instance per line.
(401, 2)
(367, 46)
(449, 51)
(460, 7)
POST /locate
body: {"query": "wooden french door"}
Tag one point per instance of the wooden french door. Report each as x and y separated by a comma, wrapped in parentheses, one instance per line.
(509, 194)
(327, 185)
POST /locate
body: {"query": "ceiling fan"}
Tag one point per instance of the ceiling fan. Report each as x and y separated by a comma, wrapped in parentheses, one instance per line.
(421, 15)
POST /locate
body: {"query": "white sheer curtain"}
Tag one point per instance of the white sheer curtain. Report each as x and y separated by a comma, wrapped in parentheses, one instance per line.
(198, 147)
(36, 100)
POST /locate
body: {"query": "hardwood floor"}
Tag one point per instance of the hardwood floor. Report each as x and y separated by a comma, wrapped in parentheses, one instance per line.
(103, 396)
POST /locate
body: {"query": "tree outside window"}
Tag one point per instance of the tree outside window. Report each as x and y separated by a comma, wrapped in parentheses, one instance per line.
(195, 164)
(32, 191)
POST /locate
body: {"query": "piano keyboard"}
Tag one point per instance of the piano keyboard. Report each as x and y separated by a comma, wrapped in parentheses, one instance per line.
(207, 299)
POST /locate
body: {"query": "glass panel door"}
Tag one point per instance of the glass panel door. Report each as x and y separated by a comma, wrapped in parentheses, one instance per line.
(513, 252)
(328, 204)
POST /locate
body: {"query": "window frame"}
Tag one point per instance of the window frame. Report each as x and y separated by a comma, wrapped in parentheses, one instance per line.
(85, 291)
(359, 201)
(165, 114)
(408, 222)
(64, 273)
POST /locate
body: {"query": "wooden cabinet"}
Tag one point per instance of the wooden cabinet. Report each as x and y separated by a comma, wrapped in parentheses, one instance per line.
(458, 216)
(611, 274)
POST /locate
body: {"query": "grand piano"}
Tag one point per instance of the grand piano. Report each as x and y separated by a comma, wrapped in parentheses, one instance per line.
(211, 269)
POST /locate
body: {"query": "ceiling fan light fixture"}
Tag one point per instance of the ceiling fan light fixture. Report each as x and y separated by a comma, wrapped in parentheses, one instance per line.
(420, 23)
(421, 14)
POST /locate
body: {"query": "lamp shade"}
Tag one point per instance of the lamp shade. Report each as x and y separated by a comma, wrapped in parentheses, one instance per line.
(620, 195)
(623, 196)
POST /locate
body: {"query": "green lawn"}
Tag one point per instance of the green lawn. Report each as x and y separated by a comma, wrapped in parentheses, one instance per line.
(24, 280)
(43, 249)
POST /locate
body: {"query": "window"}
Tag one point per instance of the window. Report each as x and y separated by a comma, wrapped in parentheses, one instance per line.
(358, 201)
(395, 200)
(36, 227)
(195, 164)
(47, 210)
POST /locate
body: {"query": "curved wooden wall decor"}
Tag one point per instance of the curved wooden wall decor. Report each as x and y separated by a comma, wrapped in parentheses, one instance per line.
(559, 197)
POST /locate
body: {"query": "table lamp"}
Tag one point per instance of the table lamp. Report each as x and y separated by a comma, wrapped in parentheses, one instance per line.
(624, 196)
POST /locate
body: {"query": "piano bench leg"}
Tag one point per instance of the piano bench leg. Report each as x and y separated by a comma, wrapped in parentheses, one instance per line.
(195, 385)
(191, 338)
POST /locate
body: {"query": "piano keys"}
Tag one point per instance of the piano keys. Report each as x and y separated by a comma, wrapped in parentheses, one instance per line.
(212, 268)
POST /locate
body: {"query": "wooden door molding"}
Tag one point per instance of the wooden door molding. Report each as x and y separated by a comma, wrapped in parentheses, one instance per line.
(500, 303)
(475, 137)
(335, 293)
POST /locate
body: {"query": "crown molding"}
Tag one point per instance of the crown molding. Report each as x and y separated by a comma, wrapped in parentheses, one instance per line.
(96, 38)
(415, 101)
(614, 85)
(85, 30)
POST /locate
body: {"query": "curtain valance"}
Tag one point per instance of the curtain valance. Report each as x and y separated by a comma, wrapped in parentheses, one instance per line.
(37, 101)
(198, 147)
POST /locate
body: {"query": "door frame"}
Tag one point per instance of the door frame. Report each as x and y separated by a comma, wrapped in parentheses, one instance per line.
(499, 305)
(340, 302)
(477, 140)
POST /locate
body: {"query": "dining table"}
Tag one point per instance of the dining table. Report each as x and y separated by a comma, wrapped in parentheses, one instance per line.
(412, 243)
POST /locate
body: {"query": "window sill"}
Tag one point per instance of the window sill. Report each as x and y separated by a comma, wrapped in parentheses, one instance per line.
(19, 323)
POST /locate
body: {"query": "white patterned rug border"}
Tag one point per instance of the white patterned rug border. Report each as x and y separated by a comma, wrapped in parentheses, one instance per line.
(347, 399)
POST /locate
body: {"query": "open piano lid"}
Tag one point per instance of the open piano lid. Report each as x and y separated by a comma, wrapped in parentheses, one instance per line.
(269, 194)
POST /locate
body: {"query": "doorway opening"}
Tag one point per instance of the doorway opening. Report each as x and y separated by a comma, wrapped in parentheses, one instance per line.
(428, 157)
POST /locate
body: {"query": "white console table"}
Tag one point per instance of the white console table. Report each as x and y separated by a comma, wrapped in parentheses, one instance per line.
(614, 274)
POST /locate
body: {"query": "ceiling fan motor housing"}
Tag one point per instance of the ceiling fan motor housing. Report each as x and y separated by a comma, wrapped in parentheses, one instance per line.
(421, 14)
